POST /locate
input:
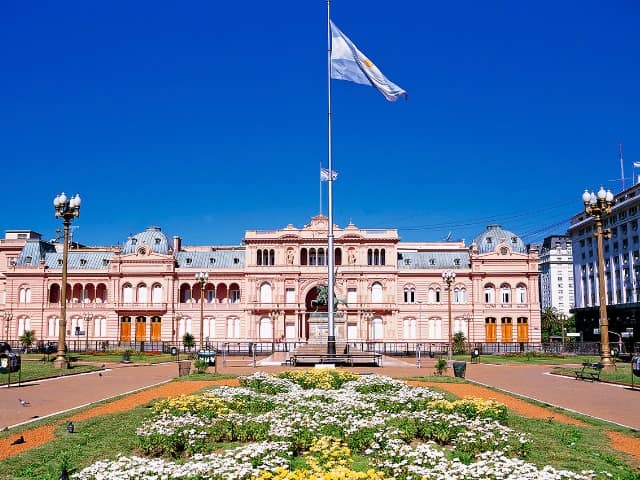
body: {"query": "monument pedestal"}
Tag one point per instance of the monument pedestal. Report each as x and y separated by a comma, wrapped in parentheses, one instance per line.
(319, 327)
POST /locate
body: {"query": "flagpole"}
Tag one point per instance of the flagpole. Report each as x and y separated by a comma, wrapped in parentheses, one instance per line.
(320, 178)
(331, 337)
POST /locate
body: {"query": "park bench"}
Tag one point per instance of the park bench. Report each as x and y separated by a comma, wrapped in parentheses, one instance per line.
(590, 371)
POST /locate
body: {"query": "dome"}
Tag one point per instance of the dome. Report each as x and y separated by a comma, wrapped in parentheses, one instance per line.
(488, 240)
(152, 237)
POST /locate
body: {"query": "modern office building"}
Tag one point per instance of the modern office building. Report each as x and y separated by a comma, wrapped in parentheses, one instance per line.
(262, 290)
(622, 269)
(556, 274)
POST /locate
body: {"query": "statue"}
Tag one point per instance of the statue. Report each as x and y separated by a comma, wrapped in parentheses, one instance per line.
(322, 298)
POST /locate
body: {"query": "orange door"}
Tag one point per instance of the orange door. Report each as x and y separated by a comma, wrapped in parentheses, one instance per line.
(523, 330)
(507, 330)
(141, 328)
(125, 329)
(490, 329)
(156, 325)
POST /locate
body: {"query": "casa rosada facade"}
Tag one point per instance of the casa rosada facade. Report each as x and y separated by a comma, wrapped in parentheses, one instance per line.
(391, 291)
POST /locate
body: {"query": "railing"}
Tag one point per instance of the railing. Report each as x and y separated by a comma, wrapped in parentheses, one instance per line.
(258, 347)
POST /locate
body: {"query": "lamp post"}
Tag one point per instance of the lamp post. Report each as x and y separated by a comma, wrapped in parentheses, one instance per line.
(598, 206)
(67, 209)
(449, 276)
(202, 278)
(7, 317)
(273, 314)
(563, 318)
(87, 319)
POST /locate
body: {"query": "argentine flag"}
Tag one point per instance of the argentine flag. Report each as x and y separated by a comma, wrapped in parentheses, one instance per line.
(349, 63)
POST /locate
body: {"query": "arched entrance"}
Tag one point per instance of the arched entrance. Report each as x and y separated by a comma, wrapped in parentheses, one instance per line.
(309, 307)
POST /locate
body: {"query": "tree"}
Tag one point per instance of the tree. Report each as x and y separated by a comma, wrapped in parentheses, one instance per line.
(550, 322)
(27, 339)
(188, 341)
(458, 343)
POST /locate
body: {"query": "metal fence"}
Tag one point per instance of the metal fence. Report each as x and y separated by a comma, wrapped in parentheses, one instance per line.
(395, 349)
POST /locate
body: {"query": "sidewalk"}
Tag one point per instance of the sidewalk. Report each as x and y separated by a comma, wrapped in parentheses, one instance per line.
(51, 396)
(47, 397)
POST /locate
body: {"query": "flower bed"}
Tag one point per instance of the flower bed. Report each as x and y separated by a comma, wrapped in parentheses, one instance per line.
(325, 424)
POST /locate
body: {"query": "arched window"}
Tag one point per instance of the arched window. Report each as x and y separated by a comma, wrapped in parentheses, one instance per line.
(377, 330)
(409, 328)
(272, 257)
(24, 323)
(233, 327)
(142, 293)
(506, 329)
(209, 327)
(463, 295)
(156, 293)
(490, 329)
(89, 293)
(303, 256)
(259, 257)
(54, 293)
(489, 292)
(77, 293)
(24, 295)
(101, 293)
(53, 326)
(234, 293)
(369, 257)
(99, 327)
(382, 257)
(338, 256)
(209, 293)
(405, 295)
(265, 293)
(460, 325)
(434, 295)
(376, 293)
(312, 256)
(523, 329)
(376, 257)
(184, 326)
(456, 295)
(435, 328)
(127, 293)
(221, 292)
(505, 293)
(185, 293)
(266, 329)
(521, 293)
(321, 257)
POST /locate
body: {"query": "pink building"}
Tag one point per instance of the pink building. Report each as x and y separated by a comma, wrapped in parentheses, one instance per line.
(262, 290)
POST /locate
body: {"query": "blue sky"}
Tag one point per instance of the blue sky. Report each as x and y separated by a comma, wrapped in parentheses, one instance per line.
(209, 118)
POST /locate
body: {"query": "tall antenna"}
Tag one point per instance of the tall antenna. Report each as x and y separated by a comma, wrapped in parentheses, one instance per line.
(621, 166)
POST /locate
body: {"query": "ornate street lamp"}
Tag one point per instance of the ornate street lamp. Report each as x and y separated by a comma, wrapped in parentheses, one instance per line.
(67, 209)
(7, 317)
(87, 317)
(202, 277)
(449, 276)
(598, 206)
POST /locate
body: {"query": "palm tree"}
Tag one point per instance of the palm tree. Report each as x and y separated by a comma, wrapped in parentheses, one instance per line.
(27, 339)
(188, 341)
(549, 321)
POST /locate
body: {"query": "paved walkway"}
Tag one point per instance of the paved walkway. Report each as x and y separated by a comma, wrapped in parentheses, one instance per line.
(51, 396)
(48, 397)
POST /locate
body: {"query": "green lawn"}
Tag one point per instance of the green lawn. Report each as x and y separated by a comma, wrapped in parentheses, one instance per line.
(531, 358)
(34, 370)
(622, 374)
(553, 443)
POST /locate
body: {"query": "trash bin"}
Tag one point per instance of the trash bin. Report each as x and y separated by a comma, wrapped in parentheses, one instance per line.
(208, 355)
(635, 366)
(459, 369)
(184, 368)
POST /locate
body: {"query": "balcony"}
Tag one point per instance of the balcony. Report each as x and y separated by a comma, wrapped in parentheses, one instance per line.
(156, 307)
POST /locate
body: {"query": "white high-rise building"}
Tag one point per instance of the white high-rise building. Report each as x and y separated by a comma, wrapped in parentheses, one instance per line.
(556, 274)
